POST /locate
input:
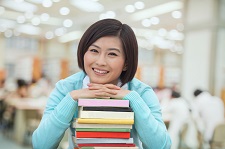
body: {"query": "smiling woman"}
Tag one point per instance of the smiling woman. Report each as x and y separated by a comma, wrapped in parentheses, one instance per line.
(108, 56)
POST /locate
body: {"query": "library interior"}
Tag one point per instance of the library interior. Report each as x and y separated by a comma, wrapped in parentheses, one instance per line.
(181, 56)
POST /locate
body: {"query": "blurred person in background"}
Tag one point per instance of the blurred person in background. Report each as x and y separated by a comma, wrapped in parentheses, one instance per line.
(22, 91)
(178, 110)
(41, 87)
(211, 112)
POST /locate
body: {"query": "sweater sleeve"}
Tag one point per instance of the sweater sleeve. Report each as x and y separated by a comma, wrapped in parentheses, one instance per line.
(56, 119)
(148, 120)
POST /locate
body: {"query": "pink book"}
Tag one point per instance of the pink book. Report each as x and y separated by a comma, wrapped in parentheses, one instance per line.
(103, 102)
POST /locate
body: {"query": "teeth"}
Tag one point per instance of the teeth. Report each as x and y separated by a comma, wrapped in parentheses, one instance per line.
(100, 71)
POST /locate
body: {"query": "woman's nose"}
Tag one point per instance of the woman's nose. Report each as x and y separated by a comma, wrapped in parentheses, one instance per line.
(101, 60)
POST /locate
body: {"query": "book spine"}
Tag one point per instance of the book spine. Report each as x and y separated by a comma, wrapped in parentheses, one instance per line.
(77, 125)
(80, 134)
(103, 140)
(104, 129)
(105, 121)
(114, 109)
(103, 102)
(106, 115)
(107, 145)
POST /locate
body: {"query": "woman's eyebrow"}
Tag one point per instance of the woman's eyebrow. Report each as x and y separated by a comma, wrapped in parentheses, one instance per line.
(116, 49)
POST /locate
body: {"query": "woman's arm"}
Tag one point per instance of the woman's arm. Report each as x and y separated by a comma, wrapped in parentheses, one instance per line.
(56, 119)
(148, 120)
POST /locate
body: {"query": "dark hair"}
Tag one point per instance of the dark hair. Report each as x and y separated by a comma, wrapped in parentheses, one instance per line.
(197, 92)
(112, 27)
(175, 94)
(21, 83)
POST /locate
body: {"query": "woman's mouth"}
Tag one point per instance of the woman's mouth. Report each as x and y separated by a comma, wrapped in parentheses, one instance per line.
(100, 71)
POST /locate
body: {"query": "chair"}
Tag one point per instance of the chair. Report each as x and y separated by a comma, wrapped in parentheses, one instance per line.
(218, 139)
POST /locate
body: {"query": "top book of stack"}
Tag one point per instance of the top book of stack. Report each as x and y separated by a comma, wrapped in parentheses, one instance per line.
(103, 102)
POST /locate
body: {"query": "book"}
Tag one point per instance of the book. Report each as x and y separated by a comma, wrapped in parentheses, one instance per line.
(103, 140)
(78, 125)
(103, 102)
(114, 109)
(104, 129)
(105, 121)
(105, 115)
(81, 134)
(107, 145)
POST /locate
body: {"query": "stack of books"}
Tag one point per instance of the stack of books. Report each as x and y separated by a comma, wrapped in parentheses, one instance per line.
(104, 124)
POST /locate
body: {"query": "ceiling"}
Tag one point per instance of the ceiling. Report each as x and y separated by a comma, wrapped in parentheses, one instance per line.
(26, 18)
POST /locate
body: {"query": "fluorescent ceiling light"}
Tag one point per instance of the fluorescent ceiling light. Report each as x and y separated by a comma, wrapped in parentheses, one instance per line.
(29, 29)
(22, 6)
(70, 36)
(157, 10)
(7, 23)
(88, 5)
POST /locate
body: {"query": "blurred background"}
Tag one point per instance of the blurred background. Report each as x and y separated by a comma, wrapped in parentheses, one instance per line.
(181, 49)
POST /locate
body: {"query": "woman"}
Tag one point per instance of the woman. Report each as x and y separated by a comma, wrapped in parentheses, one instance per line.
(108, 56)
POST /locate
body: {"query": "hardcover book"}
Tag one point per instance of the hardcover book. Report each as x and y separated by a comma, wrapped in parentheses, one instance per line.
(108, 145)
(105, 121)
(114, 109)
(106, 115)
(108, 148)
(81, 134)
(104, 129)
(103, 140)
(79, 125)
(103, 102)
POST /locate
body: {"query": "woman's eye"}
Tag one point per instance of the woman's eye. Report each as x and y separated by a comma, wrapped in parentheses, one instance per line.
(93, 50)
(113, 54)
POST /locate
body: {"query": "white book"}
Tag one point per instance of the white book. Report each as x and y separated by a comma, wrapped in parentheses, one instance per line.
(79, 125)
(103, 140)
(106, 114)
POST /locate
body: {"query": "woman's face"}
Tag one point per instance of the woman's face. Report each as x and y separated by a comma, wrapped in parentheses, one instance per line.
(104, 60)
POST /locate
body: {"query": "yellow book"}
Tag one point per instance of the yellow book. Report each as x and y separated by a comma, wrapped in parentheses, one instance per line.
(105, 121)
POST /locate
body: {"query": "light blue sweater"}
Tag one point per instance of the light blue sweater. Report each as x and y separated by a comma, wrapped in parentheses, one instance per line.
(149, 131)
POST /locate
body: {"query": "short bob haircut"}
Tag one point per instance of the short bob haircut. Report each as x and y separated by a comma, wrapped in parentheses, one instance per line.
(112, 27)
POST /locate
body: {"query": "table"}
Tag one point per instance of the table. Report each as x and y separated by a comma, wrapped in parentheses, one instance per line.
(26, 109)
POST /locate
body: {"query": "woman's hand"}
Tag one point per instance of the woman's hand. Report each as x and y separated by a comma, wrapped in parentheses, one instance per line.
(107, 90)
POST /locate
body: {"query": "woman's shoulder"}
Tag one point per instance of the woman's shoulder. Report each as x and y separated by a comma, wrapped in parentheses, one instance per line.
(72, 81)
(136, 84)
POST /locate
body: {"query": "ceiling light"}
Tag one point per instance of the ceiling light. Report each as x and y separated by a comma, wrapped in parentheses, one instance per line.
(44, 17)
(157, 10)
(47, 3)
(70, 36)
(5, 23)
(22, 7)
(176, 14)
(154, 20)
(29, 29)
(139, 5)
(21, 19)
(88, 5)
(146, 22)
(130, 8)
(49, 35)
(36, 21)
(67, 23)
(8, 33)
(64, 11)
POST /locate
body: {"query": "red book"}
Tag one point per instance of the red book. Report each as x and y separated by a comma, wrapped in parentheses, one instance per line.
(108, 145)
(88, 134)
